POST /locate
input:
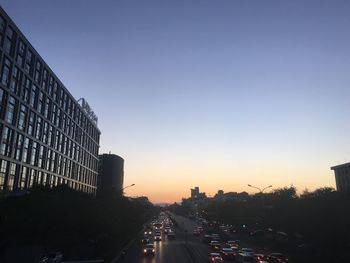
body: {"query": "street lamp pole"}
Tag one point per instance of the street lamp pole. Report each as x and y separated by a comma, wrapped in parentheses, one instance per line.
(261, 191)
(122, 190)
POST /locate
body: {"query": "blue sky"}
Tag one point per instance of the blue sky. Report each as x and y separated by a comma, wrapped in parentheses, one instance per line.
(217, 94)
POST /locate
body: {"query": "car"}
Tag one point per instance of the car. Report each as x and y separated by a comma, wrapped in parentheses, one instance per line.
(196, 232)
(246, 255)
(215, 245)
(157, 238)
(277, 258)
(149, 249)
(215, 257)
(167, 228)
(145, 240)
(147, 232)
(171, 235)
(233, 244)
(228, 253)
(215, 237)
(246, 250)
(53, 257)
(260, 258)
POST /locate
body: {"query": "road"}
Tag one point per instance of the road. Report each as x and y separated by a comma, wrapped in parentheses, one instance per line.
(185, 248)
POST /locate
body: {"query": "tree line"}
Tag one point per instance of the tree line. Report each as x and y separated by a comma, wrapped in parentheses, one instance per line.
(79, 225)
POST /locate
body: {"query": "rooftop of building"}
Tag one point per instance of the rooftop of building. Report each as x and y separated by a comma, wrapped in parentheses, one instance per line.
(340, 166)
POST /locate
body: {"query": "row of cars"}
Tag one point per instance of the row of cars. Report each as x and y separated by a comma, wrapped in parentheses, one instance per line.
(159, 227)
(245, 255)
(231, 250)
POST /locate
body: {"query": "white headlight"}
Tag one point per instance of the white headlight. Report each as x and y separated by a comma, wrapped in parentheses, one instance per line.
(144, 250)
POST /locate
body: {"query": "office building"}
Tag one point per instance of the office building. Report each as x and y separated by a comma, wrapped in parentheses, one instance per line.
(46, 136)
(195, 192)
(111, 175)
(342, 176)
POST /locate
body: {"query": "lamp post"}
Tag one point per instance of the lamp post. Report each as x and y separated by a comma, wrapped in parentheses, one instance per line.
(122, 190)
(261, 191)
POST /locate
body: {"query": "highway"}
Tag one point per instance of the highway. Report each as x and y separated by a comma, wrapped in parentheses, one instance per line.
(185, 248)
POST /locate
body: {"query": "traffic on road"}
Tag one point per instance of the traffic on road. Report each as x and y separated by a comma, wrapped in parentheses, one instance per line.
(172, 238)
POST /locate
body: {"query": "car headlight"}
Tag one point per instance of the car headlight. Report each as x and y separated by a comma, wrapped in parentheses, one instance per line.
(152, 250)
(144, 250)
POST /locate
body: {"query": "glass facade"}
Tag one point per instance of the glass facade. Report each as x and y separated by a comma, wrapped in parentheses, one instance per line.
(46, 137)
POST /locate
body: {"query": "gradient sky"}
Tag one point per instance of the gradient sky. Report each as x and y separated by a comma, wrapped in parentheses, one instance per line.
(215, 94)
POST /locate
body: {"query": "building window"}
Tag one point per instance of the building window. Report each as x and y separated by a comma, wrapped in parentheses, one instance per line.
(41, 156)
(25, 150)
(33, 157)
(23, 178)
(15, 85)
(20, 53)
(3, 97)
(37, 73)
(26, 89)
(47, 108)
(32, 177)
(11, 107)
(45, 79)
(33, 96)
(18, 147)
(22, 117)
(28, 65)
(31, 123)
(10, 41)
(6, 142)
(3, 172)
(12, 175)
(2, 29)
(38, 130)
(6, 72)
(41, 105)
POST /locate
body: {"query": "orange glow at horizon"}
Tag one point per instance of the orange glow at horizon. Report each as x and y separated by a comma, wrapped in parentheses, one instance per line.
(172, 188)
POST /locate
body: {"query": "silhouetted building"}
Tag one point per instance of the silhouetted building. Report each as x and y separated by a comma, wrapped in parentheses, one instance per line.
(195, 192)
(111, 175)
(46, 136)
(342, 176)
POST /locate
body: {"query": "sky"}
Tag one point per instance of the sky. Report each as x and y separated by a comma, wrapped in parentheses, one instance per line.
(215, 94)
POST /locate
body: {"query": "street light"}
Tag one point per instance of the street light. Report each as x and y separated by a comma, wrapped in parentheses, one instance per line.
(122, 190)
(261, 191)
(127, 186)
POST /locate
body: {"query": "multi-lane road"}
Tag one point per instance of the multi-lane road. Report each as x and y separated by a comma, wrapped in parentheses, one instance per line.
(185, 248)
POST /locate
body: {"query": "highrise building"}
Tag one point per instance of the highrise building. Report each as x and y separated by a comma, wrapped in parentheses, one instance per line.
(342, 176)
(46, 136)
(195, 192)
(111, 175)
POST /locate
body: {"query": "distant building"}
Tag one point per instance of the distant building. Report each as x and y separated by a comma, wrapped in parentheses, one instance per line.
(110, 175)
(195, 192)
(342, 176)
(46, 136)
